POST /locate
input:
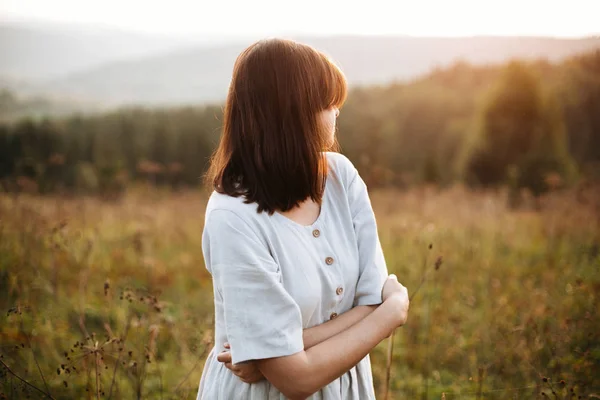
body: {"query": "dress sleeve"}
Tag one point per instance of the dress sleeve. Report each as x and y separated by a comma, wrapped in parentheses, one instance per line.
(372, 266)
(262, 320)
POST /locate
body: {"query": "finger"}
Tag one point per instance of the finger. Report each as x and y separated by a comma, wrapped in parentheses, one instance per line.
(393, 276)
(224, 356)
(249, 377)
(234, 367)
(226, 345)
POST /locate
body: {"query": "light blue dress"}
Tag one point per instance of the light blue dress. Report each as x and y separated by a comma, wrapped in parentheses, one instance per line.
(273, 277)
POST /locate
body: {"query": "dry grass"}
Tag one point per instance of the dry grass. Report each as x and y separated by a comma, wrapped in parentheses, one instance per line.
(111, 300)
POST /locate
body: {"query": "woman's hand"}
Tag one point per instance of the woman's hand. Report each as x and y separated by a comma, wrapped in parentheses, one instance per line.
(248, 371)
(392, 286)
(394, 291)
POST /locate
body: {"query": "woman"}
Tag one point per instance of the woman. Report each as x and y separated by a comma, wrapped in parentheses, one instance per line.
(300, 282)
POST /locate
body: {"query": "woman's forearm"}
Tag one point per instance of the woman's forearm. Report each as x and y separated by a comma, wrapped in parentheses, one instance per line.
(300, 375)
(317, 334)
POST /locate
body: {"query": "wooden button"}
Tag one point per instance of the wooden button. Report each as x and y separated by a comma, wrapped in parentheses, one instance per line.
(333, 315)
(329, 260)
(339, 291)
(316, 233)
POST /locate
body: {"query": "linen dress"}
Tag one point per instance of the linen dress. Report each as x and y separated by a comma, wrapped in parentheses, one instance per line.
(273, 277)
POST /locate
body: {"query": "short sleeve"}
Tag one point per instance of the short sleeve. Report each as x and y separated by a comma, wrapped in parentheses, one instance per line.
(261, 318)
(372, 267)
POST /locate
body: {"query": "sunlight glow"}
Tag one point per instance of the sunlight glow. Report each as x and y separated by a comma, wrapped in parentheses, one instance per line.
(269, 17)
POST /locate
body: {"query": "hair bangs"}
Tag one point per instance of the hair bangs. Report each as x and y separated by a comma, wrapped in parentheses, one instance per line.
(334, 87)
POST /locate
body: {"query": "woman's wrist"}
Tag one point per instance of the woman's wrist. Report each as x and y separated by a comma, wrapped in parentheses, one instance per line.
(317, 334)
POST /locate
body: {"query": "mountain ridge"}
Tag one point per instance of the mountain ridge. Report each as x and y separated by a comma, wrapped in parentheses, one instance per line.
(181, 71)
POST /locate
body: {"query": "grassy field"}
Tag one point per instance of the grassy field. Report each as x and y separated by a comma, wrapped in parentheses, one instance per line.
(112, 300)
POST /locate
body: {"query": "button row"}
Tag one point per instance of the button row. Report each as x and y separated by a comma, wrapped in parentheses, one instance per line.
(316, 233)
(329, 261)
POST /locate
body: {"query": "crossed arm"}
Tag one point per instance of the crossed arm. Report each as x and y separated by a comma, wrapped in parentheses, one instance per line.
(249, 372)
(320, 333)
(343, 343)
(301, 374)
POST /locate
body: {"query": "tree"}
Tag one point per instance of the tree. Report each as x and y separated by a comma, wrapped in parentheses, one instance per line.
(522, 137)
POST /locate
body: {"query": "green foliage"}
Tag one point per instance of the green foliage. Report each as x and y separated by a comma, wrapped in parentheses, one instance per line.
(103, 153)
(580, 94)
(523, 139)
(86, 179)
(14, 107)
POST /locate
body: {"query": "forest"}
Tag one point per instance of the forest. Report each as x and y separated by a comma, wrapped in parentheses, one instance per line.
(532, 125)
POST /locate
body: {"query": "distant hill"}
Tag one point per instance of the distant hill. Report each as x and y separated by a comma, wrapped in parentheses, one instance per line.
(33, 51)
(200, 75)
(105, 65)
(203, 74)
(367, 60)
(13, 107)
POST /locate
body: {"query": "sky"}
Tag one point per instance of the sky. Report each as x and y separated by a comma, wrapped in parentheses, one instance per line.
(561, 18)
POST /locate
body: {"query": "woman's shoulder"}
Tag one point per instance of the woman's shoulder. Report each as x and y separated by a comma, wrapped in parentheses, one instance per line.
(341, 167)
(225, 212)
(221, 203)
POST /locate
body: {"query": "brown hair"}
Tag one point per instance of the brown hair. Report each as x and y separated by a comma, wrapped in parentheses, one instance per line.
(271, 148)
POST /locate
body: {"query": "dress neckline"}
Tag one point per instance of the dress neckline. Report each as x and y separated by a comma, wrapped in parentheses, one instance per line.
(320, 217)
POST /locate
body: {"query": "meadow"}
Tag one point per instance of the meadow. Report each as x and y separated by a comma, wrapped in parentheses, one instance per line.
(110, 299)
